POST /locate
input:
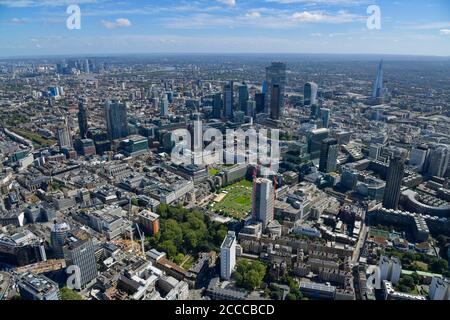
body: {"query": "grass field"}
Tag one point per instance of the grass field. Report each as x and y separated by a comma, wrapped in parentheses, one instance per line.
(38, 140)
(237, 202)
(213, 171)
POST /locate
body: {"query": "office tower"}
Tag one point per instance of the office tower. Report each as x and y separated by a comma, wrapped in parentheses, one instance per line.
(63, 135)
(87, 68)
(263, 199)
(169, 96)
(438, 161)
(275, 103)
(228, 100)
(149, 222)
(390, 269)
(79, 251)
(243, 97)
(375, 151)
(275, 75)
(116, 119)
(315, 138)
(37, 287)
(251, 106)
(85, 147)
(325, 114)
(217, 106)
(228, 255)
(164, 106)
(439, 289)
(394, 178)
(58, 235)
(310, 93)
(379, 91)
(82, 118)
(239, 117)
(134, 145)
(260, 104)
(315, 112)
(418, 157)
(328, 155)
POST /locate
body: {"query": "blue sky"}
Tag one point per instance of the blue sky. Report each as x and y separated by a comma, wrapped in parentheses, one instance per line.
(38, 27)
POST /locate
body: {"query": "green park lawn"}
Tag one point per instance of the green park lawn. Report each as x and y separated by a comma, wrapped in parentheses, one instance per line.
(238, 201)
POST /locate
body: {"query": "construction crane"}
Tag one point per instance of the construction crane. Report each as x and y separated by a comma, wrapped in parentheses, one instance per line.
(142, 236)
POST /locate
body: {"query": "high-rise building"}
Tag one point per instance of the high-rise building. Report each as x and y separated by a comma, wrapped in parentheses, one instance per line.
(310, 93)
(228, 100)
(228, 255)
(315, 138)
(275, 75)
(260, 104)
(116, 119)
(390, 269)
(37, 287)
(378, 91)
(418, 157)
(263, 200)
(164, 106)
(79, 251)
(85, 147)
(394, 178)
(439, 289)
(325, 114)
(217, 105)
(275, 103)
(243, 97)
(438, 161)
(63, 135)
(328, 155)
(58, 235)
(149, 222)
(251, 107)
(82, 118)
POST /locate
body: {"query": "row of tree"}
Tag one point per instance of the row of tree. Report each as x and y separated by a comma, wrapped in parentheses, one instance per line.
(186, 231)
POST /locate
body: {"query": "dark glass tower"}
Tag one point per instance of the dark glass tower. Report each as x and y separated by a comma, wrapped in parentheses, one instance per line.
(275, 103)
(275, 75)
(394, 179)
(116, 120)
(328, 155)
(217, 106)
(243, 97)
(82, 118)
(228, 100)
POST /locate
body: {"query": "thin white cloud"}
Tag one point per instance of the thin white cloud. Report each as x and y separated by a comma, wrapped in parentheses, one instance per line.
(317, 2)
(253, 15)
(119, 23)
(230, 3)
(321, 17)
(43, 3)
(445, 32)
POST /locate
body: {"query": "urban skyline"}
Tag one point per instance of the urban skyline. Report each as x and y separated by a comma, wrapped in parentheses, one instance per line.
(218, 176)
(234, 26)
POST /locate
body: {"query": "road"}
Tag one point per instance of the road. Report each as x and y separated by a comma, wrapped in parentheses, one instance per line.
(361, 240)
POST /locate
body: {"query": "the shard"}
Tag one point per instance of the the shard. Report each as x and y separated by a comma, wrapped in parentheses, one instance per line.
(378, 90)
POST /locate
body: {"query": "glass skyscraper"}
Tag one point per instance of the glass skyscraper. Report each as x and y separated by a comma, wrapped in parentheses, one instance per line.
(116, 119)
(275, 75)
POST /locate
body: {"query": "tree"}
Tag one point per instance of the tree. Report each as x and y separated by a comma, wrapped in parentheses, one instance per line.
(168, 247)
(439, 266)
(190, 239)
(250, 275)
(69, 294)
(178, 258)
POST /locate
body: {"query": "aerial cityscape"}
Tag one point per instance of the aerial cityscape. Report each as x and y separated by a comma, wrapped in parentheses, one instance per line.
(184, 173)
